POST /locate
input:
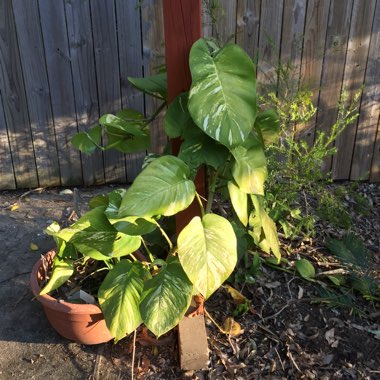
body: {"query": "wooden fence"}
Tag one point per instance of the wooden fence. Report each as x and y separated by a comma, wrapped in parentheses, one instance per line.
(63, 63)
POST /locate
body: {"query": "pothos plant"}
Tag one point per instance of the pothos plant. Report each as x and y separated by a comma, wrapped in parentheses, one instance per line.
(222, 128)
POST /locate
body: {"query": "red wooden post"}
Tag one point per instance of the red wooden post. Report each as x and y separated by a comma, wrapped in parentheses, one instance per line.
(183, 26)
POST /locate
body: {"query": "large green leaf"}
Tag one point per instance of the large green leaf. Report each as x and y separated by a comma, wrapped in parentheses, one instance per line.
(264, 229)
(267, 125)
(62, 271)
(119, 297)
(155, 85)
(87, 142)
(239, 202)
(250, 167)
(162, 188)
(165, 298)
(94, 236)
(177, 117)
(207, 250)
(222, 99)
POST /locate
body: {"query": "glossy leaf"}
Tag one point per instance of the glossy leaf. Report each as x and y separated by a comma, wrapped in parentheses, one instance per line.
(239, 202)
(305, 269)
(87, 142)
(155, 85)
(264, 229)
(267, 125)
(222, 99)
(62, 271)
(119, 297)
(207, 251)
(250, 167)
(165, 298)
(162, 188)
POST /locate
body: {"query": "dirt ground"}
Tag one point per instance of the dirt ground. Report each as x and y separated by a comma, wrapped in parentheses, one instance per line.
(284, 335)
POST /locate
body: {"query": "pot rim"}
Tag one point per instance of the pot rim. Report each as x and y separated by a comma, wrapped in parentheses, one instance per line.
(51, 302)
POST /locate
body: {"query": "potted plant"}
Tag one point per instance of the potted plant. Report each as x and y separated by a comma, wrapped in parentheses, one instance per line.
(222, 128)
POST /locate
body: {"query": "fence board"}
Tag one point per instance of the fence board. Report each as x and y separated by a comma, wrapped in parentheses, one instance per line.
(269, 40)
(16, 116)
(54, 31)
(81, 46)
(7, 177)
(370, 110)
(37, 90)
(153, 56)
(375, 168)
(312, 55)
(333, 66)
(354, 74)
(227, 21)
(248, 26)
(108, 77)
(131, 65)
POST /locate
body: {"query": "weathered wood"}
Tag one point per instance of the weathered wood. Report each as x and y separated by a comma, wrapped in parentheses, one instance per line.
(108, 77)
(269, 40)
(248, 26)
(227, 22)
(153, 57)
(15, 120)
(54, 31)
(37, 90)
(370, 109)
(375, 168)
(333, 67)
(131, 64)
(312, 56)
(81, 47)
(7, 177)
(354, 73)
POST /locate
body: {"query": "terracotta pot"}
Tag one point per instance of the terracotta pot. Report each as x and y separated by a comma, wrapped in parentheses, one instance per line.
(82, 323)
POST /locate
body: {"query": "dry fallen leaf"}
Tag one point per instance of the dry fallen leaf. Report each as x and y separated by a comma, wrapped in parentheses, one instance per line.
(14, 207)
(236, 296)
(231, 327)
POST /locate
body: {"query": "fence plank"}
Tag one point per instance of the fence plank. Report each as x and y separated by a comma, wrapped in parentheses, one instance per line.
(312, 56)
(333, 66)
(153, 56)
(131, 64)
(84, 80)
(16, 117)
(37, 90)
(375, 168)
(54, 31)
(370, 109)
(354, 73)
(108, 77)
(248, 26)
(7, 177)
(227, 22)
(269, 40)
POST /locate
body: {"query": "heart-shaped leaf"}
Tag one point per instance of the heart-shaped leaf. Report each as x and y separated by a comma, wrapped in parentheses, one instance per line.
(119, 297)
(250, 167)
(222, 99)
(162, 188)
(87, 142)
(207, 251)
(62, 271)
(155, 85)
(165, 298)
(267, 125)
(239, 202)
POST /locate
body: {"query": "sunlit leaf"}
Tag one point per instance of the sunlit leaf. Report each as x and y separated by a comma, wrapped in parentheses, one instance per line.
(62, 271)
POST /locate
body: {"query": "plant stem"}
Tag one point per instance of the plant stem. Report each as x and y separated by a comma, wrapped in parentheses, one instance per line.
(148, 250)
(133, 354)
(200, 203)
(165, 236)
(211, 191)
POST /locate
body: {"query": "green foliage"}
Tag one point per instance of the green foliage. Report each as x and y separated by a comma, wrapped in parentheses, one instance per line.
(221, 128)
(352, 252)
